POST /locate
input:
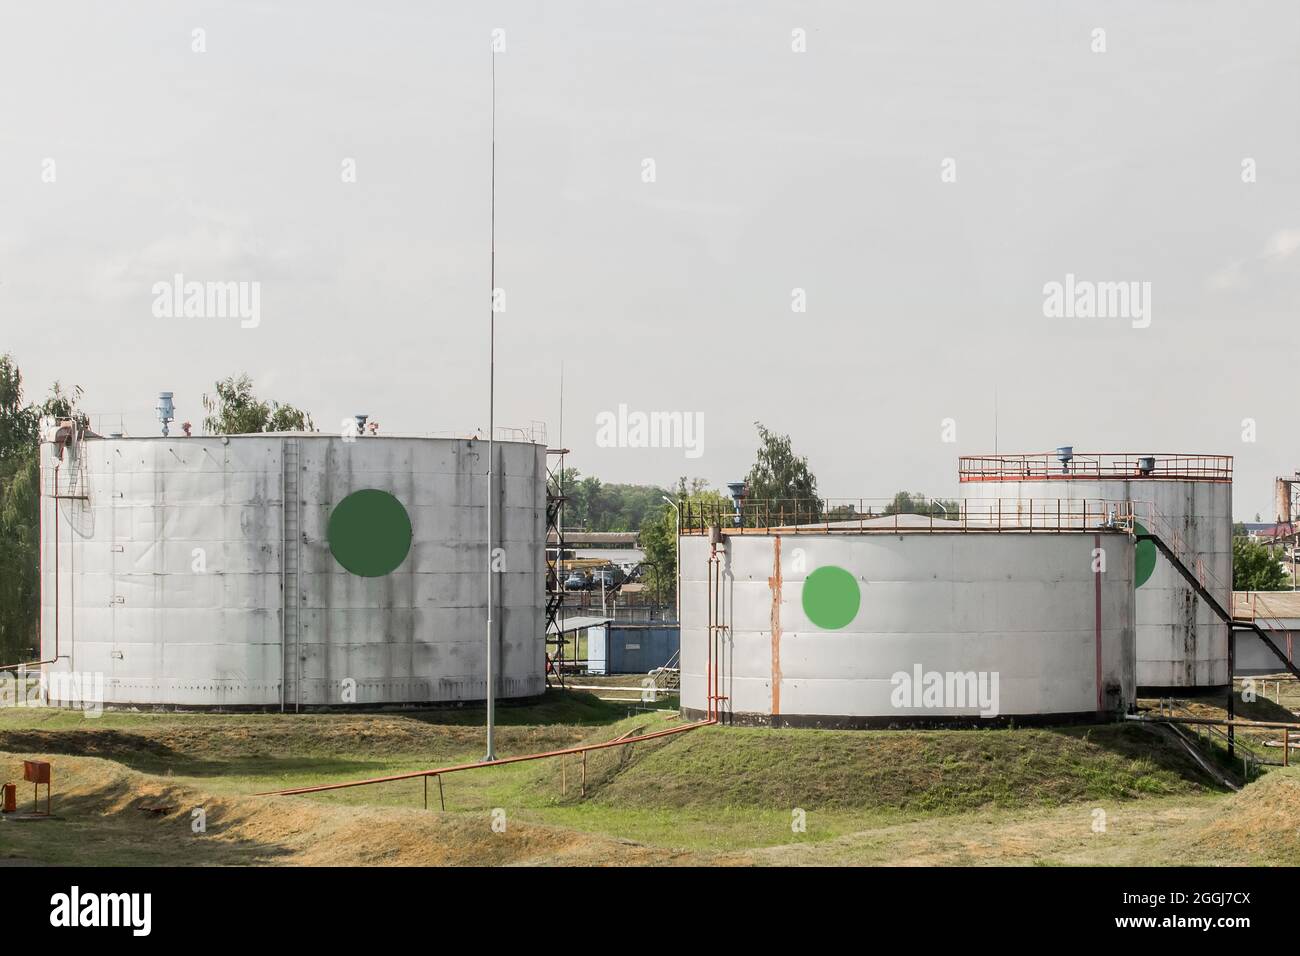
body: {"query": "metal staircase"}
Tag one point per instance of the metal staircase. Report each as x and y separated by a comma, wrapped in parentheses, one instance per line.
(669, 677)
(1198, 585)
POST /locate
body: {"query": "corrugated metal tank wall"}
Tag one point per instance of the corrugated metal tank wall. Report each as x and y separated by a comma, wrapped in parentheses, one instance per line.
(1180, 641)
(1028, 607)
(179, 568)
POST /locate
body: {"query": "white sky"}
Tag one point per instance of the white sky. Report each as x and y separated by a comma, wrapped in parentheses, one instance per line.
(775, 170)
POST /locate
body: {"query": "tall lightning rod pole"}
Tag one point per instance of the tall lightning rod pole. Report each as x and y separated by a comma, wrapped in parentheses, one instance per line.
(492, 371)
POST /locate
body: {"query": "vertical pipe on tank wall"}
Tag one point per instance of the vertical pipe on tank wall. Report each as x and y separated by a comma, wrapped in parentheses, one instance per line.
(56, 561)
(709, 669)
(1096, 578)
(40, 581)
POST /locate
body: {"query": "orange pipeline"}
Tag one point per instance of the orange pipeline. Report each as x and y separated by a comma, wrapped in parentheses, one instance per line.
(486, 763)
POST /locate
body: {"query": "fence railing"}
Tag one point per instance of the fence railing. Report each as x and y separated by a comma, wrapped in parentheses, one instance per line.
(1048, 466)
(867, 515)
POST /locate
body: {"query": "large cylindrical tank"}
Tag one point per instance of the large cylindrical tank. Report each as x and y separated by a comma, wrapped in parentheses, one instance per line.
(291, 570)
(1187, 501)
(914, 627)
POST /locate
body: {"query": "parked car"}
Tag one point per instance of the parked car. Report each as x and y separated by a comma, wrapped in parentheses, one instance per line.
(576, 581)
(605, 578)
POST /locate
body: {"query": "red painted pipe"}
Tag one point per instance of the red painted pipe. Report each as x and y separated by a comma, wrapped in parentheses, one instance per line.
(485, 763)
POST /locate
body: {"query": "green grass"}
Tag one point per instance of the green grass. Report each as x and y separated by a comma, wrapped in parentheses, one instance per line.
(919, 771)
(713, 789)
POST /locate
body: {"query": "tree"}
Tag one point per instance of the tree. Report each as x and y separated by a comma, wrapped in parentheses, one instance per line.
(658, 536)
(1254, 568)
(593, 505)
(778, 475)
(20, 483)
(906, 503)
(659, 542)
(18, 423)
(237, 411)
(18, 433)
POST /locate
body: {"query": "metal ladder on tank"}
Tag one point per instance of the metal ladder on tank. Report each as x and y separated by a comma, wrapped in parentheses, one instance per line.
(290, 591)
(716, 633)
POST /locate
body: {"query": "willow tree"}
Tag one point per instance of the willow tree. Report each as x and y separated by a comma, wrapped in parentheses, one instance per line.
(235, 410)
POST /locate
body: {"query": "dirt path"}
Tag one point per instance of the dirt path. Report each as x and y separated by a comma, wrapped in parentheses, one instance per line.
(110, 815)
(1135, 834)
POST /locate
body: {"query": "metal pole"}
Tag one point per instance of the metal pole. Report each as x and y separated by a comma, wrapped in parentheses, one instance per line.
(1232, 693)
(677, 587)
(559, 544)
(492, 369)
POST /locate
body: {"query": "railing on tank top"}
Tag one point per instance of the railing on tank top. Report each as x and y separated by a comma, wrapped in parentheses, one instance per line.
(1266, 618)
(1047, 466)
(884, 516)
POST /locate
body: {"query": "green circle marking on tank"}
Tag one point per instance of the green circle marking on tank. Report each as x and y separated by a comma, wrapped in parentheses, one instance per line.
(369, 533)
(1144, 561)
(831, 597)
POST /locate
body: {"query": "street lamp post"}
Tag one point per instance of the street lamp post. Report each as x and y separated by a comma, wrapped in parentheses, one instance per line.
(677, 576)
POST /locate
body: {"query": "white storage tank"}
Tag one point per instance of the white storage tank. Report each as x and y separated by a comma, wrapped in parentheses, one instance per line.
(914, 627)
(1187, 501)
(291, 570)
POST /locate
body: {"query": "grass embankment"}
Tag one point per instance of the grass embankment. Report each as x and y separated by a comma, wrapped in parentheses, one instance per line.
(710, 795)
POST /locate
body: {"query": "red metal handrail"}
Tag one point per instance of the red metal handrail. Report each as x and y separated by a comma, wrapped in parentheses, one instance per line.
(1047, 466)
(619, 742)
(868, 516)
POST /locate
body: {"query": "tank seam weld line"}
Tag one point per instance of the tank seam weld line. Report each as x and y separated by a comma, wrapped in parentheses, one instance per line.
(775, 583)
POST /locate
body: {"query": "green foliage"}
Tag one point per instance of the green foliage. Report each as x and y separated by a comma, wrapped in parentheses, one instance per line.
(1254, 568)
(658, 537)
(18, 423)
(237, 411)
(20, 482)
(913, 503)
(595, 506)
(778, 475)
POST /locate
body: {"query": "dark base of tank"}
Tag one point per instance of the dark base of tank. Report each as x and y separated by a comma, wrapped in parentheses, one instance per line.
(832, 722)
(1219, 690)
(305, 708)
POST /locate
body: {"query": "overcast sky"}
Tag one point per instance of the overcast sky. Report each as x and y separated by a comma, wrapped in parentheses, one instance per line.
(774, 170)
